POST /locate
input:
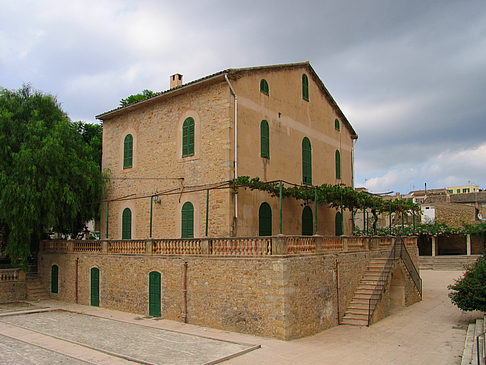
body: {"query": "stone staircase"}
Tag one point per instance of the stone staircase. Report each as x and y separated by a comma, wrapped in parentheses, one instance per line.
(357, 311)
(35, 290)
(450, 262)
(470, 354)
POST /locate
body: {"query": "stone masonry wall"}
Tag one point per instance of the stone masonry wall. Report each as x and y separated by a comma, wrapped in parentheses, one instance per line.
(12, 291)
(455, 215)
(283, 297)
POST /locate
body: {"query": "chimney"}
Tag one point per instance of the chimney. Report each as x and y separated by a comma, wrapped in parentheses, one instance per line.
(175, 81)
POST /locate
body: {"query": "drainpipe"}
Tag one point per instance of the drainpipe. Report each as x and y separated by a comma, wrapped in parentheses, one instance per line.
(77, 278)
(236, 139)
(185, 292)
(337, 291)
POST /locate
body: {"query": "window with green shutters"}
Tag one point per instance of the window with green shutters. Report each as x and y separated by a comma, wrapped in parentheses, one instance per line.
(54, 279)
(265, 220)
(127, 224)
(307, 222)
(338, 164)
(154, 294)
(306, 161)
(187, 220)
(264, 139)
(95, 287)
(188, 137)
(264, 87)
(128, 151)
(305, 87)
(339, 224)
(337, 125)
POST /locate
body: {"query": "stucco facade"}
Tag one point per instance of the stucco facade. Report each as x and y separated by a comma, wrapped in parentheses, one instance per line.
(161, 172)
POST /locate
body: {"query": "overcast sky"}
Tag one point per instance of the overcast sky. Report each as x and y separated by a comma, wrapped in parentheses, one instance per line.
(409, 75)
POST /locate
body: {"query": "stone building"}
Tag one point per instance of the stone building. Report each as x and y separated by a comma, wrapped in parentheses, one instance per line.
(178, 242)
(169, 156)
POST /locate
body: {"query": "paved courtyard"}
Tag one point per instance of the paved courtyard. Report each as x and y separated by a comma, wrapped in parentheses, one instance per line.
(52, 332)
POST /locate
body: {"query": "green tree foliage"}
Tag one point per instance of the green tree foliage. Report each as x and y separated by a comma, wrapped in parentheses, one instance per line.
(136, 97)
(92, 135)
(469, 292)
(49, 175)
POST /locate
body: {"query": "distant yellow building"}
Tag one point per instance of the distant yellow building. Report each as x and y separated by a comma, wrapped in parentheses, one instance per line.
(463, 189)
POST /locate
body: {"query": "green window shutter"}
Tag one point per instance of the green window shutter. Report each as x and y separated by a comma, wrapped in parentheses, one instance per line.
(337, 125)
(307, 222)
(95, 287)
(188, 137)
(305, 87)
(127, 224)
(458, 191)
(154, 294)
(187, 220)
(264, 87)
(128, 151)
(265, 220)
(338, 164)
(54, 279)
(339, 224)
(306, 161)
(264, 139)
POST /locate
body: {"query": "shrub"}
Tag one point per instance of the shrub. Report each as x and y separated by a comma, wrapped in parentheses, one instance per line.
(469, 292)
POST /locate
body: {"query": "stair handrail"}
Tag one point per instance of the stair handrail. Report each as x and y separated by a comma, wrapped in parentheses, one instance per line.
(410, 266)
(481, 350)
(378, 291)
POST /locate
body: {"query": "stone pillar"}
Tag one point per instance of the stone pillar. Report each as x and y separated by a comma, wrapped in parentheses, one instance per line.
(205, 246)
(344, 240)
(434, 246)
(279, 245)
(318, 240)
(70, 246)
(104, 247)
(149, 244)
(468, 244)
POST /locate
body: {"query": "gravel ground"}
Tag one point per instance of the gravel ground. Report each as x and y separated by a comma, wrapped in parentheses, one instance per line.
(140, 342)
(14, 307)
(18, 352)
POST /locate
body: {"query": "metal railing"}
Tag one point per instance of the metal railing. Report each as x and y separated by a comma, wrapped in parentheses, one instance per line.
(412, 270)
(377, 293)
(481, 348)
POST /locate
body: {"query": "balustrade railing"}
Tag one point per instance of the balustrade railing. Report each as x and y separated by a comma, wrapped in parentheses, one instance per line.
(224, 246)
(176, 247)
(332, 244)
(130, 247)
(300, 244)
(245, 246)
(87, 246)
(9, 275)
(56, 246)
(355, 243)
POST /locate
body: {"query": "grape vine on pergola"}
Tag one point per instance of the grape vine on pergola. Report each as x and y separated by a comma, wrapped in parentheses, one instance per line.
(336, 196)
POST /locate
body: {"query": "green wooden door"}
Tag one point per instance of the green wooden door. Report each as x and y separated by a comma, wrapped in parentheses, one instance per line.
(265, 220)
(154, 294)
(95, 287)
(339, 224)
(54, 279)
(307, 222)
